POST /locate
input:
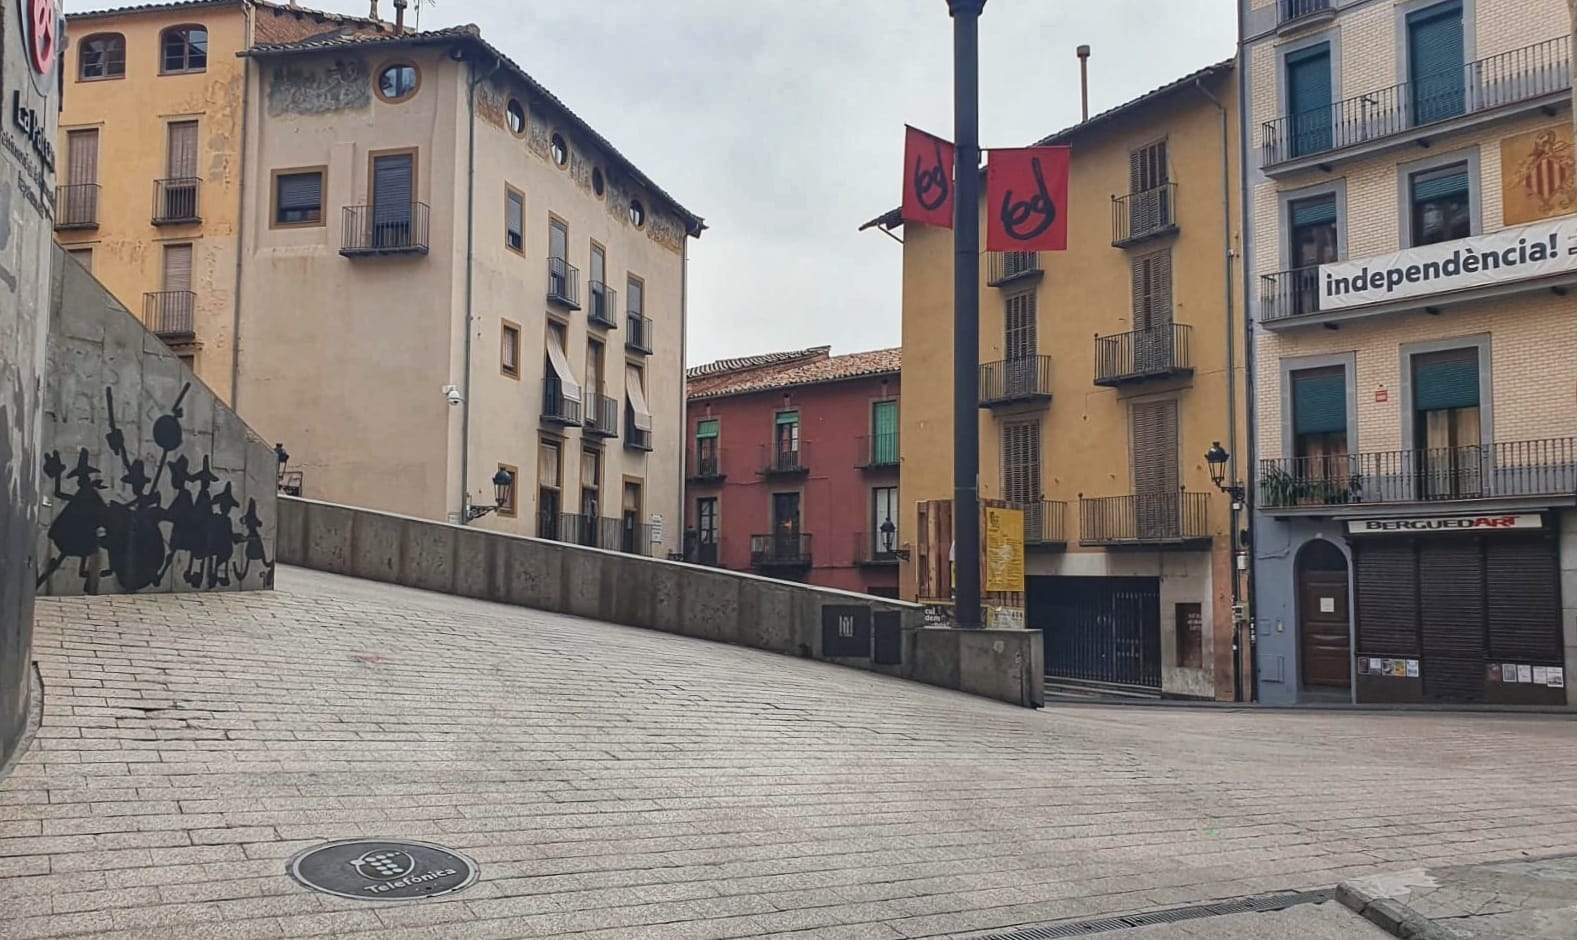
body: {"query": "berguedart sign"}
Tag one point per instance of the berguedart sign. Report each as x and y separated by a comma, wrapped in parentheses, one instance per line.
(1516, 254)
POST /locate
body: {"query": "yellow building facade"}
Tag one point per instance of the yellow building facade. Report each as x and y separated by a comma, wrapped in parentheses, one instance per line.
(1105, 378)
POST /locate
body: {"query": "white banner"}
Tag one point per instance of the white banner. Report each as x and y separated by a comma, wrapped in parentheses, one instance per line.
(1514, 254)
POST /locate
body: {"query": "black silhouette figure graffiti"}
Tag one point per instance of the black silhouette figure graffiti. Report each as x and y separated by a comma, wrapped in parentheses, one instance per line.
(255, 549)
(132, 536)
(75, 531)
(1017, 216)
(221, 537)
(931, 187)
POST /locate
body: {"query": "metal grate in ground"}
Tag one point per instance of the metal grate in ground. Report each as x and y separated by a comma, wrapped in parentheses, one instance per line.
(1085, 928)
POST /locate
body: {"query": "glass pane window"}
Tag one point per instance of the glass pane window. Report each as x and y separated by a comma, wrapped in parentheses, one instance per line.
(185, 49)
(298, 198)
(1442, 208)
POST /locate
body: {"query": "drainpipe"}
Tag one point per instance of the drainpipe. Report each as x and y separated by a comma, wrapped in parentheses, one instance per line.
(684, 384)
(250, 12)
(470, 278)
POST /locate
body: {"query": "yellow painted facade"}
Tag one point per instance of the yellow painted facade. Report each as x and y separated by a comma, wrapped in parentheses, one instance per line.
(1085, 428)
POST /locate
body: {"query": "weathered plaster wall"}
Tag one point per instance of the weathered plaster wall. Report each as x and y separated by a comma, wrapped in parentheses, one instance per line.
(151, 483)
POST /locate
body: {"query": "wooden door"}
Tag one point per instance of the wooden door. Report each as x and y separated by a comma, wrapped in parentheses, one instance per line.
(1157, 498)
(1324, 638)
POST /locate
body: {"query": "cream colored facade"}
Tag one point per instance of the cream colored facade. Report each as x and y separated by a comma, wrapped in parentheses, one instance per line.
(1382, 143)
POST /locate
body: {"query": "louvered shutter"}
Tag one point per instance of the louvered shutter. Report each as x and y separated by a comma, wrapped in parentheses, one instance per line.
(392, 189)
(706, 430)
(1524, 603)
(1319, 401)
(82, 157)
(1451, 594)
(1320, 211)
(1436, 58)
(884, 421)
(1309, 98)
(1446, 380)
(1157, 501)
(178, 267)
(1021, 462)
(1385, 581)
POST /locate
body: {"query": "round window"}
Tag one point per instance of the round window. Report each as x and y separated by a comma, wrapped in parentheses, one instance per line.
(517, 117)
(560, 150)
(637, 213)
(397, 82)
(597, 184)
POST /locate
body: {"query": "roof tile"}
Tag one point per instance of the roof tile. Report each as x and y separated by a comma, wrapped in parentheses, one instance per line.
(815, 372)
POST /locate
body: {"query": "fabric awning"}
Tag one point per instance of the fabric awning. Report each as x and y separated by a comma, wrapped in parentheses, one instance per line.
(642, 416)
(567, 384)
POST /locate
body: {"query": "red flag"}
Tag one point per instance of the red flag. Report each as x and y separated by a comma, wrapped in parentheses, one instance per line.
(927, 179)
(1027, 199)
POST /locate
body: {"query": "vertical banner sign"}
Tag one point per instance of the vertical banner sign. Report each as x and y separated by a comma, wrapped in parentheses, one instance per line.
(1027, 199)
(927, 179)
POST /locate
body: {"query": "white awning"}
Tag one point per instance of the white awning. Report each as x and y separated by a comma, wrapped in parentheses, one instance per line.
(632, 388)
(567, 383)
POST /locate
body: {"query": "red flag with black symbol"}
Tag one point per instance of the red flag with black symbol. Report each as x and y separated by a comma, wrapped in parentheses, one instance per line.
(1027, 199)
(927, 178)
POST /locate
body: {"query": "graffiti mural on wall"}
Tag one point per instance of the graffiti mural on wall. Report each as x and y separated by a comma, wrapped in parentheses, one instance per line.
(141, 537)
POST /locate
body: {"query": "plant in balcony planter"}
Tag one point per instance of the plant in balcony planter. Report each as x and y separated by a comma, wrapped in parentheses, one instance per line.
(1278, 487)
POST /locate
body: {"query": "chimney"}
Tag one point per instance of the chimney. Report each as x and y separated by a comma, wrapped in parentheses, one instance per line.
(373, 13)
(1084, 81)
(399, 16)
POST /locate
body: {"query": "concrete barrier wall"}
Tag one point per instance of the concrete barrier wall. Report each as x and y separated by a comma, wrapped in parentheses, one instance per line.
(836, 626)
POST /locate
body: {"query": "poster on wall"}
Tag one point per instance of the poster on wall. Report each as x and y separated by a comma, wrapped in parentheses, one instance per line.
(1004, 549)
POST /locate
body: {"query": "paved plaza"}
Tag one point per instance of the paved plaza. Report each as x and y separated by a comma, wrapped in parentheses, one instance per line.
(617, 783)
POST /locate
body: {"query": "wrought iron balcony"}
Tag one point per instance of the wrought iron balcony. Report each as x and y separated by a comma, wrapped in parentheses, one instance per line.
(170, 314)
(878, 451)
(638, 336)
(871, 551)
(780, 550)
(782, 459)
(1045, 523)
(77, 206)
(1157, 353)
(604, 307)
(1139, 217)
(175, 201)
(1145, 519)
(385, 230)
(563, 284)
(557, 408)
(1304, 12)
(706, 466)
(1525, 76)
(1007, 267)
(602, 415)
(634, 437)
(1015, 380)
(589, 531)
(1505, 470)
(1287, 295)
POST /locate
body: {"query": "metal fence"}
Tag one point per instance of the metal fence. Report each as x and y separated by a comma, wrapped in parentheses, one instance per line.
(170, 313)
(399, 228)
(1157, 351)
(1141, 215)
(175, 200)
(1015, 380)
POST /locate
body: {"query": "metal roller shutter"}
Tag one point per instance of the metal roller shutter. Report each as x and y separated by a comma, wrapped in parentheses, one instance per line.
(1452, 622)
(1523, 582)
(1386, 587)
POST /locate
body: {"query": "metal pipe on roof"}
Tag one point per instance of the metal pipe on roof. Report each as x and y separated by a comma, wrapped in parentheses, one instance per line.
(1083, 53)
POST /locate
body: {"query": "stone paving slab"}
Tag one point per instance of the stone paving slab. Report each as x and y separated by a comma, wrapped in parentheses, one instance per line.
(1532, 899)
(614, 782)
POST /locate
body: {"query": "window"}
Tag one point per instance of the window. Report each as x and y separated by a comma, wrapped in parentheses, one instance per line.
(786, 436)
(102, 56)
(630, 519)
(706, 520)
(509, 507)
(514, 220)
(1190, 634)
(515, 114)
(78, 200)
(298, 197)
(1319, 424)
(398, 82)
(1313, 240)
(509, 350)
(549, 489)
(84, 257)
(1447, 423)
(640, 416)
(634, 295)
(1152, 291)
(594, 367)
(184, 49)
(1019, 327)
(597, 278)
(590, 483)
(884, 510)
(1149, 203)
(1442, 205)
(1309, 99)
(1147, 168)
(707, 434)
(394, 200)
(558, 240)
(1021, 463)
(884, 433)
(1157, 511)
(172, 314)
(597, 184)
(637, 213)
(1435, 59)
(560, 150)
(178, 192)
(562, 386)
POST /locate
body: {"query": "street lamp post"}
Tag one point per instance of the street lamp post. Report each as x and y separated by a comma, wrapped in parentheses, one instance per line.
(503, 482)
(1217, 457)
(966, 310)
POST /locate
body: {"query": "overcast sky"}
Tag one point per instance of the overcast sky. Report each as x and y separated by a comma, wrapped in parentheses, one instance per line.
(781, 122)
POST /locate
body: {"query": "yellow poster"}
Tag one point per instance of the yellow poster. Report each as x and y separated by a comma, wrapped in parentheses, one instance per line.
(1538, 178)
(1004, 549)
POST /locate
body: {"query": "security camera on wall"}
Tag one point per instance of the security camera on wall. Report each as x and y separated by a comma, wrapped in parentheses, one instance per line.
(452, 394)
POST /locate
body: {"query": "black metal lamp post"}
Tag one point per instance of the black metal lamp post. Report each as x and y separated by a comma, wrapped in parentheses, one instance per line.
(503, 482)
(1217, 457)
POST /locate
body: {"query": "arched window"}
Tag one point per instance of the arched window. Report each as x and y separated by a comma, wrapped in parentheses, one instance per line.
(183, 49)
(516, 114)
(102, 55)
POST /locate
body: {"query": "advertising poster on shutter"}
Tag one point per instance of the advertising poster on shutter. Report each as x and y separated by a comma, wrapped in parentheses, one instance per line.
(1004, 550)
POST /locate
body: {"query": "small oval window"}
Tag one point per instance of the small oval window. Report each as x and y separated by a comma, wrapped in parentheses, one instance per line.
(560, 150)
(397, 82)
(637, 213)
(597, 184)
(517, 118)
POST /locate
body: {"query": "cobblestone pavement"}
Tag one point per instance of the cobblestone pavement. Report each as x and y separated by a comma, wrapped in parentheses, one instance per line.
(617, 783)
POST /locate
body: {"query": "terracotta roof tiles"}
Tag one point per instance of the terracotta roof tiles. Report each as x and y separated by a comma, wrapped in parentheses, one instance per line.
(815, 372)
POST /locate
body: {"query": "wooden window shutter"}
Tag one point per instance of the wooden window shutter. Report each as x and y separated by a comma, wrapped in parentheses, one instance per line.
(1161, 290)
(1021, 462)
(177, 267)
(1020, 336)
(1154, 429)
(82, 157)
(183, 149)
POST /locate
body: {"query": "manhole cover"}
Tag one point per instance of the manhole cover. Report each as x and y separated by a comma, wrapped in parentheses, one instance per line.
(383, 870)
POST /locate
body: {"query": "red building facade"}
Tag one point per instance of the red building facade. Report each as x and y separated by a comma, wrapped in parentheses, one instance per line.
(792, 468)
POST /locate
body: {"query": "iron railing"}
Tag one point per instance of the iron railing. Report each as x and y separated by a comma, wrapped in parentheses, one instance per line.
(1507, 469)
(705, 466)
(563, 283)
(558, 408)
(878, 451)
(1005, 267)
(870, 548)
(1292, 10)
(780, 550)
(1157, 352)
(705, 551)
(171, 314)
(785, 459)
(602, 415)
(1286, 295)
(1024, 379)
(1140, 216)
(604, 305)
(1045, 522)
(1144, 518)
(175, 200)
(634, 538)
(385, 229)
(638, 336)
(634, 437)
(77, 206)
(1525, 74)
(590, 531)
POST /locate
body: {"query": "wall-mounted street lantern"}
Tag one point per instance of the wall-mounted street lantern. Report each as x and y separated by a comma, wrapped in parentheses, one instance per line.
(1217, 458)
(503, 482)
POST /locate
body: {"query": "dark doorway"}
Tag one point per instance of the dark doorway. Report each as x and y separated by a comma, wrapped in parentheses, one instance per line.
(1324, 638)
(1105, 630)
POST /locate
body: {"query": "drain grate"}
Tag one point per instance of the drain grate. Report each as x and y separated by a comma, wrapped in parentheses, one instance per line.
(1084, 928)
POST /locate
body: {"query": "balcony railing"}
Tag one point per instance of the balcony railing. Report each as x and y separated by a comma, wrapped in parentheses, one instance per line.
(634, 437)
(604, 305)
(707, 551)
(77, 206)
(1156, 353)
(638, 336)
(1045, 523)
(1286, 295)
(1521, 75)
(705, 467)
(1294, 10)
(1504, 470)
(1015, 380)
(589, 531)
(171, 314)
(385, 229)
(1005, 267)
(878, 451)
(780, 550)
(1139, 217)
(557, 408)
(1144, 519)
(175, 200)
(602, 415)
(870, 550)
(563, 283)
(782, 459)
